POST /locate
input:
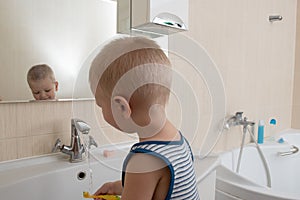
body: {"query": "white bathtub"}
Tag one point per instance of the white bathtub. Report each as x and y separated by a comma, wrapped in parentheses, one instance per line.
(53, 177)
(250, 183)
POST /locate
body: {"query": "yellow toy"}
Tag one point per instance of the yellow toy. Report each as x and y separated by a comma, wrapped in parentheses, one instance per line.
(105, 196)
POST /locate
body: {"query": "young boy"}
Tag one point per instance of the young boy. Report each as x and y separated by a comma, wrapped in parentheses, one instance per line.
(42, 83)
(130, 79)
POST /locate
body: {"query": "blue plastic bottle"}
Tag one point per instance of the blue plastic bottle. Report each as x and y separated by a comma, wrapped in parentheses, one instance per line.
(260, 132)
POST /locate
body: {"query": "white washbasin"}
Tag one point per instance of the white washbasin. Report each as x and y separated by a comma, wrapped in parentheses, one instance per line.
(52, 176)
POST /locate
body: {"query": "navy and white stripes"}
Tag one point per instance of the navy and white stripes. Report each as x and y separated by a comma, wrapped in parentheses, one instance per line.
(178, 156)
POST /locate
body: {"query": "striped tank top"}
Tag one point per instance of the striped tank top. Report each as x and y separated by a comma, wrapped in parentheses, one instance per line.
(179, 158)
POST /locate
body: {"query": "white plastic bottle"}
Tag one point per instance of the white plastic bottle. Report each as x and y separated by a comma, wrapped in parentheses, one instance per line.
(271, 130)
(272, 127)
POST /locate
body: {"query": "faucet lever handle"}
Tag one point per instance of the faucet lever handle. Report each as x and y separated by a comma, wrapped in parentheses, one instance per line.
(57, 145)
(81, 125)
(92, 142)
(240, 114)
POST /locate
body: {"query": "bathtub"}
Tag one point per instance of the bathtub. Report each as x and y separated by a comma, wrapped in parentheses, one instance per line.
(52, 176)
(251, 181)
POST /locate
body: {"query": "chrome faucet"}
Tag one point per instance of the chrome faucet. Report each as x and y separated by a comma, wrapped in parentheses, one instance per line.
(76, 148)
(237, 120)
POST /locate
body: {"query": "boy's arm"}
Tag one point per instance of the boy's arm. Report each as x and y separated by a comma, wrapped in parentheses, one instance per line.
(110, 188)
(147, 177)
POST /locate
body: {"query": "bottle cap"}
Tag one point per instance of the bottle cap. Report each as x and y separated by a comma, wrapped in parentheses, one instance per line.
(273, 121)
(281, 140)
(261, 122)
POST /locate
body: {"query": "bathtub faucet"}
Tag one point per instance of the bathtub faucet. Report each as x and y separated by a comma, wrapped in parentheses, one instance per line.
(76, 148)
(238, 120)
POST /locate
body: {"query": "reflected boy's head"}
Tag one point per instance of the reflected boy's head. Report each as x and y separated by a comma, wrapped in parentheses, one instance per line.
(42, 83)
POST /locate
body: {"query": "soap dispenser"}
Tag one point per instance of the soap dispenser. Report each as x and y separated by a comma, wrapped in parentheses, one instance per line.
(260, 132)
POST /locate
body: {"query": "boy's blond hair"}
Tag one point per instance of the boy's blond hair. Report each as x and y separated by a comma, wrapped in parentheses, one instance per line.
(121, 56)
(39, 72)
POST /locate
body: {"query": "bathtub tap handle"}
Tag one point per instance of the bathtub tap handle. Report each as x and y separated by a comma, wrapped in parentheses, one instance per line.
(293, 150)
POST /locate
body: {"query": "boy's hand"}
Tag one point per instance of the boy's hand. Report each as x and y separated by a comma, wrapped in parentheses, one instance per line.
(110, 188)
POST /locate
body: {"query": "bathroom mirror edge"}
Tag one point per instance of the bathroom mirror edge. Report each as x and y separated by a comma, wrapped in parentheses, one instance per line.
(57, 100)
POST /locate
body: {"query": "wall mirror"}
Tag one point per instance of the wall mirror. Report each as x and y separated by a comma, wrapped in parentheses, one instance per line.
(60, 33)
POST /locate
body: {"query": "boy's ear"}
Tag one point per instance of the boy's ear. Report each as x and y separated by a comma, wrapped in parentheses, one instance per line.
(122, 106)
(56, 86)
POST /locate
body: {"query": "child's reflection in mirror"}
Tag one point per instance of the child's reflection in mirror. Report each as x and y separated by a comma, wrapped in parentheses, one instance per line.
(42, 82)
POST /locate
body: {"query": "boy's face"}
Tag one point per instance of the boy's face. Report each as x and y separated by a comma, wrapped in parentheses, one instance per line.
(43, 89)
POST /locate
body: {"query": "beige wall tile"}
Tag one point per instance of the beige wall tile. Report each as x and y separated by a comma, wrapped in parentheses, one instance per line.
(197, 138)
(109, 135)
(256, 67)
(62, 113)
(2, 121)
(43, 144)
(296, 97)
(296, 117)
(25, 146)
(89, 111)
(8, 149)
(229, 139)
(23, 122)
(8, 112)
(41, 118)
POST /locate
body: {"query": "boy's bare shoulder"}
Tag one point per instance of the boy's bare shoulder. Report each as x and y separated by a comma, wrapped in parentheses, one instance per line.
(144, 163)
